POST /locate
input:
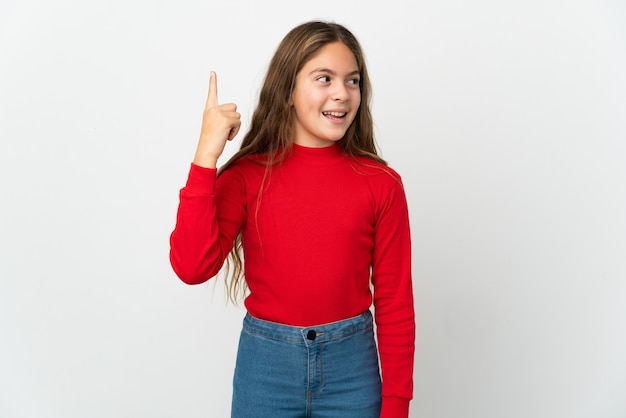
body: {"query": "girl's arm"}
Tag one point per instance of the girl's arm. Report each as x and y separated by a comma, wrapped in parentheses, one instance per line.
(393, 303)
(206, 224)
(204, 232)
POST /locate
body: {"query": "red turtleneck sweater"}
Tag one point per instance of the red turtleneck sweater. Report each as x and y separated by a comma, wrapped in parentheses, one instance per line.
(323, 225)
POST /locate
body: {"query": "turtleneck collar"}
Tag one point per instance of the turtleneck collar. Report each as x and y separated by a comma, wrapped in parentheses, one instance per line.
(318, 155)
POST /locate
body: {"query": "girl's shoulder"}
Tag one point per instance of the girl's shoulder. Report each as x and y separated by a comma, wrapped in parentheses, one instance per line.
(376, 169)
(248, 162)
(241, 172)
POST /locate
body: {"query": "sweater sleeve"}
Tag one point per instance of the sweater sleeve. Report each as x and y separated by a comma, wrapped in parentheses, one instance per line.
(206, 224)
(393, 302)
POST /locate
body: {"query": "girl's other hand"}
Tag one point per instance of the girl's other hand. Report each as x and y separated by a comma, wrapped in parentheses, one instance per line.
(220, 123)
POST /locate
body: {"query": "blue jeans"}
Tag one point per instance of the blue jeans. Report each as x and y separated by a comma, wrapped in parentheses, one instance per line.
(325, 371)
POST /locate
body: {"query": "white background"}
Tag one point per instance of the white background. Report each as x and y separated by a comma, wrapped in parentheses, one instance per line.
(505, 119)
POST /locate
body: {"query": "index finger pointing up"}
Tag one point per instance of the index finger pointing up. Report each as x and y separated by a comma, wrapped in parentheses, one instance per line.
(211, 101)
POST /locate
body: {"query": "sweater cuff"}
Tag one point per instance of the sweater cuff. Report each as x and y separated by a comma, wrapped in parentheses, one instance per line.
(201, 180)
(394, 407)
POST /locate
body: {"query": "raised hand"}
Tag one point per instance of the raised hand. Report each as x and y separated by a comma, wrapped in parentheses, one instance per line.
(220, 123)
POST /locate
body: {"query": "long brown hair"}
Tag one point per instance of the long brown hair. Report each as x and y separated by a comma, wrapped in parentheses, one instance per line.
(271, 127)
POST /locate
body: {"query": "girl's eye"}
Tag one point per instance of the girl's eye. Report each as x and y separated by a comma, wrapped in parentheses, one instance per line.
(354, 81)
(324, 79)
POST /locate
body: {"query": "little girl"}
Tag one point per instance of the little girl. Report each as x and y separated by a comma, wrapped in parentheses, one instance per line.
(324, 229)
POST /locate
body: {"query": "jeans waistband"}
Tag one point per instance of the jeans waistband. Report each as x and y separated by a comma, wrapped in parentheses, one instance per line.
(308, 335)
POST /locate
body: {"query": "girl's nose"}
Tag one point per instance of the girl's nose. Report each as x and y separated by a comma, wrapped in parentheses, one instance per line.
(340, 92)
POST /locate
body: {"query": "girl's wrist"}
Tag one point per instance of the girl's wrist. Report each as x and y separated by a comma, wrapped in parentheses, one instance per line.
(206, 161)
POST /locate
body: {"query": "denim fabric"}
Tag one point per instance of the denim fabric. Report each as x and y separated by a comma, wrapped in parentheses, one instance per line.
(325, 371)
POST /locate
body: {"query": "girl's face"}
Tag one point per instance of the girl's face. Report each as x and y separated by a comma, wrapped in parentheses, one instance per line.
(326, 96)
